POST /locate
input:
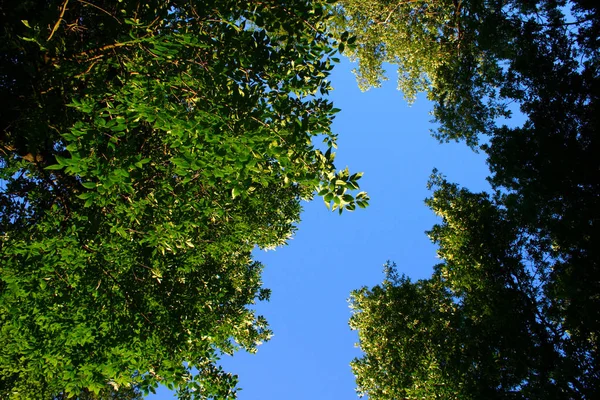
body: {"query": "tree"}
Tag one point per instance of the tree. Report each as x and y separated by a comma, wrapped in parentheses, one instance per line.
(449, 49)
(489, 323)
(147, 148)
(123, 393)
(463, 54)
(512, 312)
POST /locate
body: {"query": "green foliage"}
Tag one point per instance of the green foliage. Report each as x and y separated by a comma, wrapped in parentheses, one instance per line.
(513, 310)
(401, 331)
(147, 148)
(462, 54)
(336, 192)
(489, 322)
(445, 48)
(406, 33)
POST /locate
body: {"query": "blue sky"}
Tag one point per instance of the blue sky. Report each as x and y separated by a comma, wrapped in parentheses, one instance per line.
(312, 277)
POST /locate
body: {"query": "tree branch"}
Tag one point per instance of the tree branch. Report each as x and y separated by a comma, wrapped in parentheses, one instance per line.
(60, 18)
(101, 9)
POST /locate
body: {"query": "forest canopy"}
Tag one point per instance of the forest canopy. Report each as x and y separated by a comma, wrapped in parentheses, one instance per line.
(512, 310)
(147, 147)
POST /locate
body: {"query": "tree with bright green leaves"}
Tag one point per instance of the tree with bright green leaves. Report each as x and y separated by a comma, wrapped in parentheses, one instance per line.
(492, 322)
(147, 148)
(513, 310)
(462, 54)
(448, 49)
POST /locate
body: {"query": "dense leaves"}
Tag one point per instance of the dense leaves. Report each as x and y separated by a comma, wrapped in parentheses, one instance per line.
(493, 321)
(147, 148)
(448, 49)
(513, 309)
(466, 55)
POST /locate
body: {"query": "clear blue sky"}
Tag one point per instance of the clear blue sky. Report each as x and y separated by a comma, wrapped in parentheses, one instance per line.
(311, 278)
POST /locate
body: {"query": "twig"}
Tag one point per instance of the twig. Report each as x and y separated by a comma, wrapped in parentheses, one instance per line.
(101, 9)
(144, 48)
(302, 19)
(103, 48)
(90, 53)
(60, 17)
(128, 299)
(89, 68)
(86, 248)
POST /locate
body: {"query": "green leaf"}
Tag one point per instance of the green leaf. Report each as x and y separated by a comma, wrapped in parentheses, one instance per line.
(181, 162)
(356, 176)
(62, 161)
(361, 204)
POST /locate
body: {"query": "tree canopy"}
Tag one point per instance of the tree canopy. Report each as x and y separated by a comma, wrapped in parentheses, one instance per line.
(466, 55)
(500, 317)
(146, 148)
(513, 309)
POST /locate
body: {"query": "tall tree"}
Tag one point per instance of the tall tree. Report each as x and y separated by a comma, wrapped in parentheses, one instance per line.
(521, 270)
(464, 54)
(489, 323)
(147, 147)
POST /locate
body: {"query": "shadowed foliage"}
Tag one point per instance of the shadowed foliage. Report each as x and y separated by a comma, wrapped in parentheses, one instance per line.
(512, 312)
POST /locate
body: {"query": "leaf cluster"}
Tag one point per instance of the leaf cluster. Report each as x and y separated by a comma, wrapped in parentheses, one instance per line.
(462, 54)
(512, 309)
(147, 148)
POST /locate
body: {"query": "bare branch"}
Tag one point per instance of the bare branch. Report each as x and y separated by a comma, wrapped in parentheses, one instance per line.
(60, 18)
